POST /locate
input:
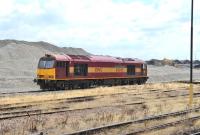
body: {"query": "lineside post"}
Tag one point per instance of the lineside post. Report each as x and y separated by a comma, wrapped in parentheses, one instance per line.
(191, 58)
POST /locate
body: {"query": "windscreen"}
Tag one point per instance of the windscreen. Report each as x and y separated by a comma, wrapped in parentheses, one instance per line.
(46, 64)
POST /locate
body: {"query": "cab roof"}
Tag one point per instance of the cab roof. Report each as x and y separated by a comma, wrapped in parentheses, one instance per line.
(93, 58)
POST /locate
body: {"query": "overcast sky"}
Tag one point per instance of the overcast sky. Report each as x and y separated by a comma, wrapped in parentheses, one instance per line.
(128, 28)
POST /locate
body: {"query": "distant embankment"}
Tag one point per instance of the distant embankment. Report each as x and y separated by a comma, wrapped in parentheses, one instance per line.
(175, 63)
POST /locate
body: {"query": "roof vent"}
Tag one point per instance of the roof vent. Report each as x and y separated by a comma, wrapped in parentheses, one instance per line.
(48, 55)
(119, 58)
(129, 59)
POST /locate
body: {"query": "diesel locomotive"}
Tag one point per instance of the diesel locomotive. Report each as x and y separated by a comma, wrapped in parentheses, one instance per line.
(61, 71)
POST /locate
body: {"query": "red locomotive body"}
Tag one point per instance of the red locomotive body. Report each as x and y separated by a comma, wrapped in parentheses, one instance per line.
(74, 71)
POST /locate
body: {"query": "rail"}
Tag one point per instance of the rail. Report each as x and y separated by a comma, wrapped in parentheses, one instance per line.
(115, 125)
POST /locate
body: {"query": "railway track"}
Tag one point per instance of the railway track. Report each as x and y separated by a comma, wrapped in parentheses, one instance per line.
(87, 98)
(37, 91)
(43, 91)
(150, 118)
(2, 94)
(62, 100)
(18, 114)
(22, 92)
(194, 82)
(162, 126)
(31, 112)
(11, 106)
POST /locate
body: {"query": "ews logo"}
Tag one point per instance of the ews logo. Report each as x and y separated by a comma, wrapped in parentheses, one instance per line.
(98, 69)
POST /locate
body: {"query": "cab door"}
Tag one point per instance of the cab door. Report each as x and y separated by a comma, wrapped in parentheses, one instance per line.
(67, 69)
(62, 69)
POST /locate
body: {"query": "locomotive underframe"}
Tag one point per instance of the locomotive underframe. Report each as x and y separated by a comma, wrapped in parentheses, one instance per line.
(87, 83)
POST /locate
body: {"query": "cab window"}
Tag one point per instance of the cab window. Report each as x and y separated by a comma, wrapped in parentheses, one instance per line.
(46, 64)
(143, 66)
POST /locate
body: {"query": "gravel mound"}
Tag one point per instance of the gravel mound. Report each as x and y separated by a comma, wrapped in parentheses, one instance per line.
(19, 60)
(46, 46)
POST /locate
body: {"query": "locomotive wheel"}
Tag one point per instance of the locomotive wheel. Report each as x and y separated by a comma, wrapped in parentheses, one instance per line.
(139, 82)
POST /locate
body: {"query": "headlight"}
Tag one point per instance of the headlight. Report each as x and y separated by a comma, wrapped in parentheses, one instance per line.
(40, 76)
(51, 76)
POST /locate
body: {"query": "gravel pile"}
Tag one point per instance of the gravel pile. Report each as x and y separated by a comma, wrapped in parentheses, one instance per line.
(19, 59)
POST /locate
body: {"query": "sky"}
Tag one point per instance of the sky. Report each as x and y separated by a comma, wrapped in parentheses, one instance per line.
(143, 29)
